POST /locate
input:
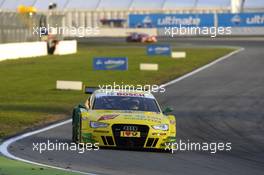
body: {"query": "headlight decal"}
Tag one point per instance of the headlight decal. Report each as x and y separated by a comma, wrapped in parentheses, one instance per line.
(98, 124)
(162, 127)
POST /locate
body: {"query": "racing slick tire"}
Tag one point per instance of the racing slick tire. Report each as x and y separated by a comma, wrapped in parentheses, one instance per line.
(76, 126)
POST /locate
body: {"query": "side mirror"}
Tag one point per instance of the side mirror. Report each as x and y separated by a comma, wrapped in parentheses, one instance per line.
(167, 110)
(81, 106)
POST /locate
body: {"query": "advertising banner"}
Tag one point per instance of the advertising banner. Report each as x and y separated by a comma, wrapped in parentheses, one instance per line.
(241, 20)
(158, 50)
(170, 20)
(110, 63)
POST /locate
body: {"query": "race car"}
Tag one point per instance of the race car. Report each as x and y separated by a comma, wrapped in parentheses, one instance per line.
(141, 37)
(121, 119)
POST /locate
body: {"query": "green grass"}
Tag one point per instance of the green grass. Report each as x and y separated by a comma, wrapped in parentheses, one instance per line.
(27, 89)
(12, 167)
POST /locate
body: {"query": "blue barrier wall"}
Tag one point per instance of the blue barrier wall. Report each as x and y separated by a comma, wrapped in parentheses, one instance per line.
(241, 20)
(170, 20)
(199, 20)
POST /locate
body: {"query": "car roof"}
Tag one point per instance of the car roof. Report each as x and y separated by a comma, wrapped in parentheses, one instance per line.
(127, 93)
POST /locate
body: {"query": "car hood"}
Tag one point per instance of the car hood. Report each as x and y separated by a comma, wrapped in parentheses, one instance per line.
(133, 117)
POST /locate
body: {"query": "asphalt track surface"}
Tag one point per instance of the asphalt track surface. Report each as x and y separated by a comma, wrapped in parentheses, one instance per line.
(223, 103)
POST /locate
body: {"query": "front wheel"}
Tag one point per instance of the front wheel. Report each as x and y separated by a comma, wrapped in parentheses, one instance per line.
(76, 123)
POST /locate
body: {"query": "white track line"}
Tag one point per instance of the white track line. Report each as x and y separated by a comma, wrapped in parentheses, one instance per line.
(4, 147)
(5, 144)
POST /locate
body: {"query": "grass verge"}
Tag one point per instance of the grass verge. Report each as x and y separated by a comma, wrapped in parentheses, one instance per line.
(12, 167)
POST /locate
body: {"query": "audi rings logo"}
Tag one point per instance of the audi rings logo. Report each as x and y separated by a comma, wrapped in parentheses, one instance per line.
(130, 128)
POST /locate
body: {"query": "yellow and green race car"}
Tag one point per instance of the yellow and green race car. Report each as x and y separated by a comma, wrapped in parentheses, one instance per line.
(121, 119)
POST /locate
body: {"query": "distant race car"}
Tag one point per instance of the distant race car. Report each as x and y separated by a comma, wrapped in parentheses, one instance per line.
(122, 119)
(141, 37)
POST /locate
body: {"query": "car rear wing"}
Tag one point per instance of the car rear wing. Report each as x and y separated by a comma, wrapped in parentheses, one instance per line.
(89, 90)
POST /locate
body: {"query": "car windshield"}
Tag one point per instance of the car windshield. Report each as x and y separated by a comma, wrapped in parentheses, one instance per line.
(125, 103)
